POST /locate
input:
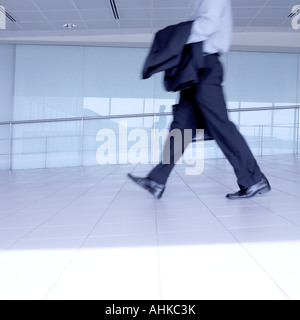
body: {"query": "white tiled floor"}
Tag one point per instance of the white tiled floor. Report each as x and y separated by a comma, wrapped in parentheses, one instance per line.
(90, 233)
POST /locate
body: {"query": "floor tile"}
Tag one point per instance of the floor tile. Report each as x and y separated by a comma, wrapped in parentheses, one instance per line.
(213, 271)
(110, 274)
(90, 233)
(254, 220)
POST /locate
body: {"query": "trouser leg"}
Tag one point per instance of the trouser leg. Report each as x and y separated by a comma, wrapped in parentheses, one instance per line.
(210, 100)
(185, 117)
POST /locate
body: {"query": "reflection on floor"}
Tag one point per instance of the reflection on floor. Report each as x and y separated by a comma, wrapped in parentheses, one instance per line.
(89, 233)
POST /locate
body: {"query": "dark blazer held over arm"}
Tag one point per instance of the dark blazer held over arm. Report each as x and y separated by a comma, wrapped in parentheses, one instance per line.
(170, 54)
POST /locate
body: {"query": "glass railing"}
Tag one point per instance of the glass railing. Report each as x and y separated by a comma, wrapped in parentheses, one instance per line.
(121, 139)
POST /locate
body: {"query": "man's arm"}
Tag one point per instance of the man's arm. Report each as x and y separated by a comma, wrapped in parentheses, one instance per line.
(207, 14)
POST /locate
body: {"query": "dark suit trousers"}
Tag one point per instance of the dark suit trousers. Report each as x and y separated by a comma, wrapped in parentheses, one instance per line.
(205, 103)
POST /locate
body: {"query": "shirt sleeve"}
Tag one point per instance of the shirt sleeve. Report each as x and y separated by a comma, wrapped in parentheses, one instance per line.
(207, 15)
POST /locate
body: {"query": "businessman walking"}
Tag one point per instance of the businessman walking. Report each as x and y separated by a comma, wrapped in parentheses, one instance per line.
(203, 105)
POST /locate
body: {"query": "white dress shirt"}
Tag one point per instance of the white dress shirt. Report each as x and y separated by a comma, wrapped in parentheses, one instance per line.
(213, 25)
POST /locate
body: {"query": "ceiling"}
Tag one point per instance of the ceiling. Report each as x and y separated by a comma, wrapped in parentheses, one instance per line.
(45, 19)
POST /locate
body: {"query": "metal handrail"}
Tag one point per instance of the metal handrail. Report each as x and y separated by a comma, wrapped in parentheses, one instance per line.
(138, 115)
(81, 134)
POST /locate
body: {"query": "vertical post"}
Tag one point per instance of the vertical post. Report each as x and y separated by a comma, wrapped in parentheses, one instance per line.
(144, 110)
(10, 147)
(298, 131)
(81, 142)
(46, 151)
(295, 131)
(153, 139)
(297, 139)
(262, 141)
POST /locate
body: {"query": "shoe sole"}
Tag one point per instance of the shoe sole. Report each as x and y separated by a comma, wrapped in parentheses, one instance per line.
(145, 188)
(261, 192)
(265, 190)
(140, 185)
(155, 196)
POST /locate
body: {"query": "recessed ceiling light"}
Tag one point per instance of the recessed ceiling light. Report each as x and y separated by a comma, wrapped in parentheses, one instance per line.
(70, 26)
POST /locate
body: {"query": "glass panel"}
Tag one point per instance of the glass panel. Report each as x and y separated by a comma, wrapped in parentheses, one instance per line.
(95, 106)
(54, 144)
(282, 141)
(288, 116)
(255, 126)
(116, 72)
(29, 161)
(53, 82)
(254, 136)
(49, 82)
(63, 151)
(298, 82)
(234, 117)
(212, 151)
(4, 147)
(117, 141)
(262, 77)
(28, 145)
(121, 106)
(253, 118)
(6, 81)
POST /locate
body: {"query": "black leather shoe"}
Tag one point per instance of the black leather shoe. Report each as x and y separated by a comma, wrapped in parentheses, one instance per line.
(263, 186)
(150, 185)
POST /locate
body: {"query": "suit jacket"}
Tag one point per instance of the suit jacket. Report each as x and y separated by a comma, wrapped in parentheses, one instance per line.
(170, 53)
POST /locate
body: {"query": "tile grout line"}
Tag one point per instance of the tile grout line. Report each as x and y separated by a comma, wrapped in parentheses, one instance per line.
(53, 215)
(238, 242)
(43, 197)
(262, 206)
(84, 241)
(34, 201)
(279, 215)
(268, 175)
